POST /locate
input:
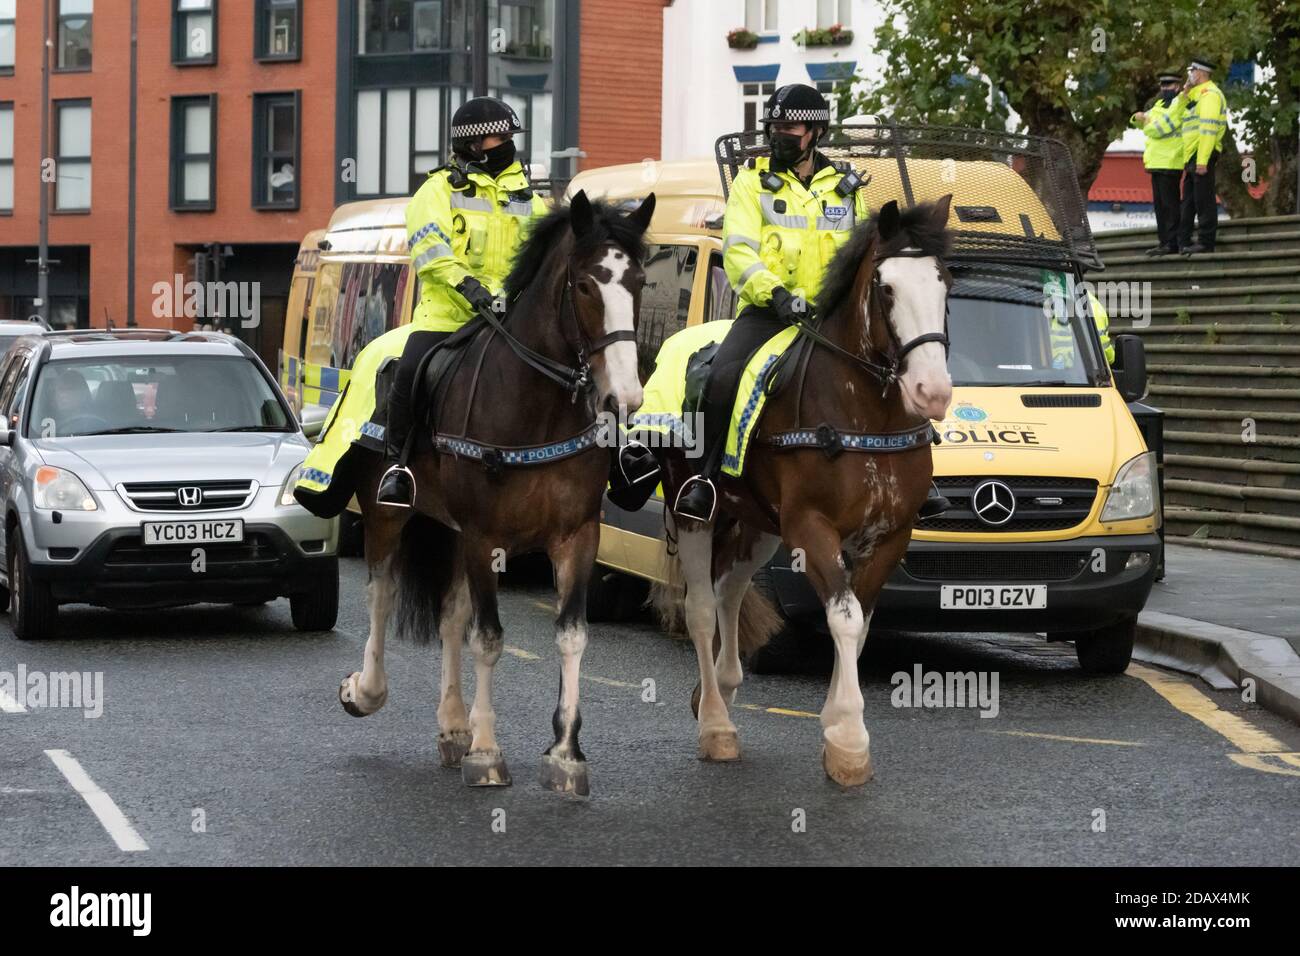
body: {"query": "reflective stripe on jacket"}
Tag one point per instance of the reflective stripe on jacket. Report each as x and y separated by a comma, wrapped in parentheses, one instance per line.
(788, 237)
(1163, 130)
(1204, 123)
(471, 231)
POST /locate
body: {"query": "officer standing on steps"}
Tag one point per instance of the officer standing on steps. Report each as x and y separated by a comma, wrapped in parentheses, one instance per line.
(464, 225)
(1162, 124)
(1205, 122)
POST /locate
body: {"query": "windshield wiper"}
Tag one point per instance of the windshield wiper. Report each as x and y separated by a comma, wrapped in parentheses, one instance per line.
(131, 430)
(248, 428)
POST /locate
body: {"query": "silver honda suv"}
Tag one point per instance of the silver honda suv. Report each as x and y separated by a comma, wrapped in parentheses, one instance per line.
(152, 468)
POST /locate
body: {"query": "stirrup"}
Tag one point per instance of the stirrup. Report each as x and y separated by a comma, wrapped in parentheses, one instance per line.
(396, 469)
(633, 445)
(713, 508)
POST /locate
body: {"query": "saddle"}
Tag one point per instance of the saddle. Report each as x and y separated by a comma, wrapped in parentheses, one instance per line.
(433, 371)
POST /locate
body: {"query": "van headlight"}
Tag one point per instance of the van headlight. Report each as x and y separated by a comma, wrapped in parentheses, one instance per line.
(286, 490)
(1135, 491)
(59, 488)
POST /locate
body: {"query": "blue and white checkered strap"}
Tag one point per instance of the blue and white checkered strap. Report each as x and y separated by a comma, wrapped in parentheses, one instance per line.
(527, 455)
(855, 441)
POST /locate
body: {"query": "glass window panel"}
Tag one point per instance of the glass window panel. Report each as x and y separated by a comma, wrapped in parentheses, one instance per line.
(422, 164)
(6, 133)
(74, 43)
(6, 44)
(769, 16)
(427, 19)
(196, 181)
(76, 6)
(428, 126)
(397, 26)
(195, 4)
(542, 146)
(825, 13)
(282, 33)
(753, 15)
(397, 178)
(280, 138)
(72, 188)
(846, 12)
(6, 187)
(198, 129)
(198, 35)
(7, 8)
(281, 178)
(74, 131)
(369, 111)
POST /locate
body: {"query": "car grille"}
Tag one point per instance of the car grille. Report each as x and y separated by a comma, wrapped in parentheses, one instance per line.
(1077, 496)
(950, 566)
(256, 548)
(166, 495)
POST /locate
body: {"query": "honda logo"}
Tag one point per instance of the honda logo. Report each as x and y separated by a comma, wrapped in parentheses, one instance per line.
(993, 503)
(190, 496)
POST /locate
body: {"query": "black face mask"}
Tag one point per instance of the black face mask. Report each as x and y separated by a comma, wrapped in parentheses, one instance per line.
(786, 151)
(497, 159)
(1168, 96)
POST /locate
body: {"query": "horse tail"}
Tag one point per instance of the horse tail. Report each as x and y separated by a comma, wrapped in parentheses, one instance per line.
(423, 565)
(760, 621)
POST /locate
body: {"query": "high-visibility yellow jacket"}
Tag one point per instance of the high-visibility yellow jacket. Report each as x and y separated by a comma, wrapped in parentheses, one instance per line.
(1063, 344)
(1163, 129)
(788, 235)
(1204, 123)
(465, 223)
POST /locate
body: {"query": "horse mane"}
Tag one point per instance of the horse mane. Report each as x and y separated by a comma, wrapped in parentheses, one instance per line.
(552, 230)
(916, 230)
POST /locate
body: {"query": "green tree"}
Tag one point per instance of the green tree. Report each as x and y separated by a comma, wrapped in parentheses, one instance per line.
(1074, 70)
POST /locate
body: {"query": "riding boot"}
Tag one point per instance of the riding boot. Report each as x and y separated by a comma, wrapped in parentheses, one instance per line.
(697, 499)
(633, 476)
(397, 486)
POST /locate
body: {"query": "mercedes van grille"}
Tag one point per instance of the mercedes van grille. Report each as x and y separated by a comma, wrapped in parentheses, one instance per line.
(1036, 504)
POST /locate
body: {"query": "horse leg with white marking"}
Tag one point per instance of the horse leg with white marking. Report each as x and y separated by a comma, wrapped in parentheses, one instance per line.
(364, 692)
(718, 737)
(564, 767)
(753, 550)
(483, 765)
(454, 736)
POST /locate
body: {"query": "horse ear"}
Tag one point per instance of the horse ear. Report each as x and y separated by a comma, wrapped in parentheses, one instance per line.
(890, 220)
(940, 213)
(581, 215)
(640, 216)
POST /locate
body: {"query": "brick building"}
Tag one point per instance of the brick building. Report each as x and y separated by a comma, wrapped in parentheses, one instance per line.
(253, 119)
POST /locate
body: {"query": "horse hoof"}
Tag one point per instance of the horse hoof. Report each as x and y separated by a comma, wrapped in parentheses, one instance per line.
(452, 747)
(349, 693)
(565, 776)
(484, 769)
(720, 745)
(848, 768)
(695, 701)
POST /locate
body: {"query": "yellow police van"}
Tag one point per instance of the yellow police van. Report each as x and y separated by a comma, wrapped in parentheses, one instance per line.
(1055, 497)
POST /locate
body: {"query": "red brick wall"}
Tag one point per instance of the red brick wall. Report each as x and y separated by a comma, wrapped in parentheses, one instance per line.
(234, 79)
(621, 81)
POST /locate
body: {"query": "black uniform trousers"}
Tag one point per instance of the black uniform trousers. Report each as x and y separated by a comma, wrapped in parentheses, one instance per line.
(1164, 196)
(1199, 204)
(398, 423)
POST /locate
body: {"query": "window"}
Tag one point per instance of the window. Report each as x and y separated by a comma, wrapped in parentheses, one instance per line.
(665, 299)
(827, 89)
(527, 27)
(385, 26)
(832, 12)
(753, 96)
(279, 29)
(426, 25)
(275, 150)
(760, 16)
(72, 156)
(194, 32)
(6, 158)
(7, 13)
(193, 152)
(399, 139)
(74, 34)
(12, 403)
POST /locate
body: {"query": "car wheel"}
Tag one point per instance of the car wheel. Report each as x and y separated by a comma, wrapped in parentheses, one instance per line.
(32, 608)
(1107, 650)
(791, 648)
(317, 608)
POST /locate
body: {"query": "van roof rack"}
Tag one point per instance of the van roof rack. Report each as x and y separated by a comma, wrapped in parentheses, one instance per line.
(1016, 197)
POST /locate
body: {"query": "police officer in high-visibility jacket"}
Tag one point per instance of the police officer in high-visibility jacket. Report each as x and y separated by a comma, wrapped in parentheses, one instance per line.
(1162, 125)
(1063, 341)
(786, 218)
(1204, 123)
(464, 225)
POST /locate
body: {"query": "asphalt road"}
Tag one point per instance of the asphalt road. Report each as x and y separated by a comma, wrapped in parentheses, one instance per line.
(229, 718)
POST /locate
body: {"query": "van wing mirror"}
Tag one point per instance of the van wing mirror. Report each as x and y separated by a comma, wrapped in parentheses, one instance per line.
(1130, 367)
(6, 437)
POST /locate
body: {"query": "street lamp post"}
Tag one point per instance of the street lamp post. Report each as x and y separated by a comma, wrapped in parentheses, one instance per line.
(43, 255)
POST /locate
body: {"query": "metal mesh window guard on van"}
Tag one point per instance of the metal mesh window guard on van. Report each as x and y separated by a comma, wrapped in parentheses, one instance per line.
(1016, 197)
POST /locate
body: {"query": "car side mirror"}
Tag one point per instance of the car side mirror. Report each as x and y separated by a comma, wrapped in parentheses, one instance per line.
(1130, 367)
(6, 437)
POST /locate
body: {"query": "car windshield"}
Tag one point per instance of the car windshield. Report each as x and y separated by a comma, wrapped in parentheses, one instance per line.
(1015, 325)
(166, 393)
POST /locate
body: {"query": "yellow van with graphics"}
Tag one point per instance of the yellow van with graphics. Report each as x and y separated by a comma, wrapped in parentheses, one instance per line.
(1055, 498)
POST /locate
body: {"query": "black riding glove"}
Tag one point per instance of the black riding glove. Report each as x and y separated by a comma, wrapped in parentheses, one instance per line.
(476, 294)
(788, 307)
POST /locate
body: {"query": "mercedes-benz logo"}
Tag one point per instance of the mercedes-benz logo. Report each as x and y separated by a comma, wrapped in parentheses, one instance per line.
(993, 502)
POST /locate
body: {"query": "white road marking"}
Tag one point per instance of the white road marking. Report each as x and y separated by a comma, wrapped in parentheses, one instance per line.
(10, 706)
(100, 803)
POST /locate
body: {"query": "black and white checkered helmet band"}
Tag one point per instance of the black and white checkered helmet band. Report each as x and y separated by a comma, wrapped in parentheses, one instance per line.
(475, 130)
(778, 115)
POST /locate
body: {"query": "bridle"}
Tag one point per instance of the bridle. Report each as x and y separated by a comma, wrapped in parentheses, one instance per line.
(889, 366)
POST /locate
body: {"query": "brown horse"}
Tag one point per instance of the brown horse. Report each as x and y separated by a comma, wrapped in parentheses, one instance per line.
(836, 470)
(513, 466)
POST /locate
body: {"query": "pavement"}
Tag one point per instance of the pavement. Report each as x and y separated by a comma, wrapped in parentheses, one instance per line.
(222, 742)
(1229, 617)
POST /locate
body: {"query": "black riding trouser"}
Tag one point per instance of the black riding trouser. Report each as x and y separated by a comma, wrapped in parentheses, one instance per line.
(397, 426)
(754, 326)
(1165, 199)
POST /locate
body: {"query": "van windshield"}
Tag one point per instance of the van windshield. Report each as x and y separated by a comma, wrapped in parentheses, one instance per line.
(1019, 325)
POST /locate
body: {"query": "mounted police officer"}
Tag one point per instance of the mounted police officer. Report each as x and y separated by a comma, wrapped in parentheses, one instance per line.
(464, 225)
(786, 218)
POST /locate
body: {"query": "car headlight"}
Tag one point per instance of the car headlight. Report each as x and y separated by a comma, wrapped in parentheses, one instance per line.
(58, 488)
(1135, 492)
(286, 489)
